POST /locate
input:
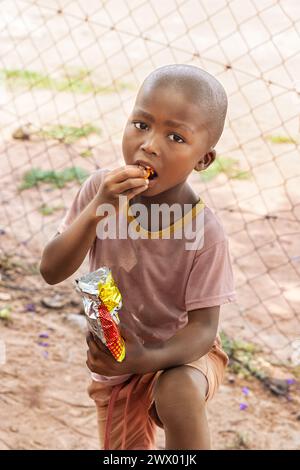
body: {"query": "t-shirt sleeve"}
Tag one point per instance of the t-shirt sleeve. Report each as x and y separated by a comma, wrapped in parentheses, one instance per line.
(210, 281)
(82, 198)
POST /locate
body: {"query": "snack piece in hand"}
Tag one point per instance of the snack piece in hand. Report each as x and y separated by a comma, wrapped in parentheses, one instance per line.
(102, 300)
(150, 172)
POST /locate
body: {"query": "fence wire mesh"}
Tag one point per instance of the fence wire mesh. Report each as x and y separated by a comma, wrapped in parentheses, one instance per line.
(69, 75)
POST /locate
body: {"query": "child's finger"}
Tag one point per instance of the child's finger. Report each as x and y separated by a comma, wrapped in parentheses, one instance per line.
(94, 345)
(132, 184)
(129, 171)
(132, 171)
(134, 192)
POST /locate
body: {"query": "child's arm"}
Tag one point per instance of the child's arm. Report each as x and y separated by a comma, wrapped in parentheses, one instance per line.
(64, 254)
(189, 343)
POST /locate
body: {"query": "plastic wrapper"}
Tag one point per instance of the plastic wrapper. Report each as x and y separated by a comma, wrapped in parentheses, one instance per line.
(102, 300)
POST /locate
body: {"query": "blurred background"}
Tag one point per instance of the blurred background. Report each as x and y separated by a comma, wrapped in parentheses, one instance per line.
(69, 74)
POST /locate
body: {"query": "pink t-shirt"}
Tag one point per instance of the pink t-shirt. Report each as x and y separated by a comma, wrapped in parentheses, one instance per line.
(160, 280)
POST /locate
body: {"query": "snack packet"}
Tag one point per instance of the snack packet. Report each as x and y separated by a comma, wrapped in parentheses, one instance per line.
(102, 300)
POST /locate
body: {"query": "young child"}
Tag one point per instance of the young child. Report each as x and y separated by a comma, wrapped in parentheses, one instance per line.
(171, 295)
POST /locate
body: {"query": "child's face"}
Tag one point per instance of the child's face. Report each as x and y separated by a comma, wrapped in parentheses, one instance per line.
(172, 150)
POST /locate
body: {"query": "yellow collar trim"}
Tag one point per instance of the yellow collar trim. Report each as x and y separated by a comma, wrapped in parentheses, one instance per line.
(172, 228)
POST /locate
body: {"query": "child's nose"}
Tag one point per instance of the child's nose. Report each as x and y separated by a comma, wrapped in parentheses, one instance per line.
(150, 146)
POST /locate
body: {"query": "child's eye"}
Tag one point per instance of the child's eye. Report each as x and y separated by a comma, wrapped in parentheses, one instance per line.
(141, 126)
(177, 136)
(140, 123)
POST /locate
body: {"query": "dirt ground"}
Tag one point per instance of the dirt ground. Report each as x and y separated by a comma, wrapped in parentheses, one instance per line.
(44, 404)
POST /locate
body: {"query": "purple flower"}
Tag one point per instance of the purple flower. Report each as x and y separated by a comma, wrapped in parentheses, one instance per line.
(243, 406)
(290, 381)
(245, 391)
(44, 335)
(45, 345)
(30, 308)
(45, 354)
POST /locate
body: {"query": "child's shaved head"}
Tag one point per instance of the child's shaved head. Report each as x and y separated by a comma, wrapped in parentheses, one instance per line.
(198, 87)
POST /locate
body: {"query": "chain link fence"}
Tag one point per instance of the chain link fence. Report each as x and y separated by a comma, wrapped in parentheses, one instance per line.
(69, 75)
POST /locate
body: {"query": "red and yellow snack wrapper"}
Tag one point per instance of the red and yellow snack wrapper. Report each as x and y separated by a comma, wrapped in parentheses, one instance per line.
(102, 300)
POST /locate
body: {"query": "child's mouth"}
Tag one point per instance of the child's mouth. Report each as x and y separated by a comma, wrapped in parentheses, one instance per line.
(151, 173)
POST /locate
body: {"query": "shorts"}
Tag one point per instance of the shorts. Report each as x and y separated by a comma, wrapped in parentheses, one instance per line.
(126, 413)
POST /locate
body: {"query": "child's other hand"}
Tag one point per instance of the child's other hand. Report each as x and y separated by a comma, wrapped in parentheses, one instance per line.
(101, 361)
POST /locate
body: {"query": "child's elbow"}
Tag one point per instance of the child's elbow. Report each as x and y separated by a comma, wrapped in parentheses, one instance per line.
(46, 274)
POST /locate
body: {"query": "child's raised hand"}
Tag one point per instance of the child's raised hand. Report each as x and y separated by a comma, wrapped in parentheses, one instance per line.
(101, 361)
(128, 181)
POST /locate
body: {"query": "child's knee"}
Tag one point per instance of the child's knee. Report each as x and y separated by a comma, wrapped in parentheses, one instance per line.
(180, 392)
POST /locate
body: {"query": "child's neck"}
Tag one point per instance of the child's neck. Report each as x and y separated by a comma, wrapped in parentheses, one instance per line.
(181, 194)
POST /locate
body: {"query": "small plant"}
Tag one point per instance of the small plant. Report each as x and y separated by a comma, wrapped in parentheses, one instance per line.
(281, 139)
(296, 371)
(242, 357)
(48, 210)
(68, 134)
(86, 153)
(76, 81)
(57, 179)
(234, 346)
(240, 441)
(226, 165)
(5, 313)
(26, 78)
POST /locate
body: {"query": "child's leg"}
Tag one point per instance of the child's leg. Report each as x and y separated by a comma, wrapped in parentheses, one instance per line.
(179, 397)
(125, 425)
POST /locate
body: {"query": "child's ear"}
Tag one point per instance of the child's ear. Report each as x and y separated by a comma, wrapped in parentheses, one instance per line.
(206, 160)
